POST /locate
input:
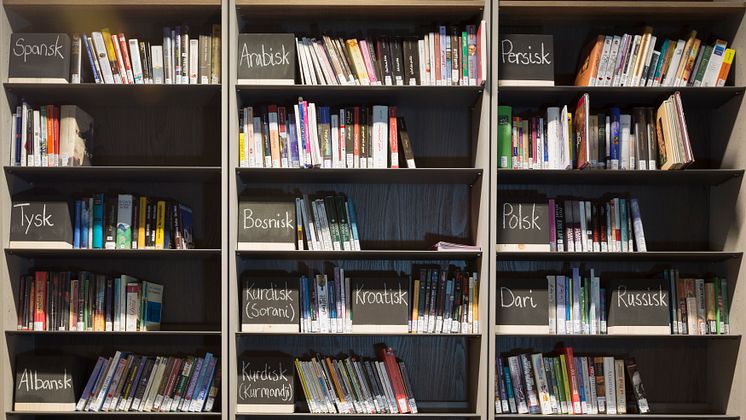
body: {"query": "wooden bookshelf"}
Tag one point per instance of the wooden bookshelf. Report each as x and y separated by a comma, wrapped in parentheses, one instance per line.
(685, 377)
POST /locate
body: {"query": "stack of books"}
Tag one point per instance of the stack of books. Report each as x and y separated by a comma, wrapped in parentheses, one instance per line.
(321, 136)
(563, 383)
(83, 301)
(51, 136)
(327, 223)
(126, 221)
(114, 59)
(132, 382)
(698, 306)
(644, 139)
(444, 302)
(355, 386)
(632, 60)
(445, 57)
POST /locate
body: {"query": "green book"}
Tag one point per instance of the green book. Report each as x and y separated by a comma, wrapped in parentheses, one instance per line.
(124, 222)
(504, 136)
(703, 65)
(331, 215)
(724, 313)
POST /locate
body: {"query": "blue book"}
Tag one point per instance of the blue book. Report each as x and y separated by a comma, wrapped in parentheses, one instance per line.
(19, 134)
(659, 66)
(304, 302)
(98, 221)
(332, 303)
(616, 116)
(581, 381)
(623, 226)
(91, 58)
(303, 134)
(325, 135)
(293, 139)
(508, 387)
(76, 231)
(85, 217)
(634, 208)
(199, 403)
(200, 382)
(352, 217)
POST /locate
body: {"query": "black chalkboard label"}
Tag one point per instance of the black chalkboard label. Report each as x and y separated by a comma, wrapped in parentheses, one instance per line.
(526, 60)
(266, 59)
(41, 224)
(380, 305)
(266, 384)
(270, 305)
(265, 225)
(46, 383)
(522, 226)
(522, 306)
(41, 58)
(639, 307)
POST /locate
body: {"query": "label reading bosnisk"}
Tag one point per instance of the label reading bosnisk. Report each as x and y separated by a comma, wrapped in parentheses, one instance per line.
(39, 57)
(41, 224)
(522, 306)
(266, 59)
(639, 306)
(526, 60)
(46, 383)
(523, 226)
(265, 384)
(380, 305)
(266, 225)
(270, 305)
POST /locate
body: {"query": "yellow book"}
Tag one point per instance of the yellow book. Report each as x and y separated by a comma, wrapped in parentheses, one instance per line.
(725, 67)
(112, 55)
(357, 61)
(241, 154)
(160, 217)
(415, 306)
(141, 221)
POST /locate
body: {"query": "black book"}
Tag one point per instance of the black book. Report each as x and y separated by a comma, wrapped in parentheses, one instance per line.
(344, 225)
(384, 55)
(144, 377)
(349, 136)
(364, 137)
(442, 298)
(135, 220)
(331, 215)
(602, 140)
(375, 63)
(397, 61)
(110, 221)
(651, 136)
(636, 391)
(406, 144)
(434, 275)
(456, 53)
(409, 70)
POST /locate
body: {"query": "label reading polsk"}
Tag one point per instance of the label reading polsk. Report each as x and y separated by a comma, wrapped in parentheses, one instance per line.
(523, 226)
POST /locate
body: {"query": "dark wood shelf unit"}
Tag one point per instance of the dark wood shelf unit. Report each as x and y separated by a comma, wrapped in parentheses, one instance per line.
(707, 177)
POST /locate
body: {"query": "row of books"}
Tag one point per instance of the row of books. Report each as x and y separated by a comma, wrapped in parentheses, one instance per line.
(329, 223)
(645, 139)
(127, 221)
(180, 59)
(355, 386)
(311, 136)
(132, 382)
(698, 306)
(632, 60)
(445, 57)
(51, 135)
(84, 301)
(577, 304)
(444, 302)
(562, 383)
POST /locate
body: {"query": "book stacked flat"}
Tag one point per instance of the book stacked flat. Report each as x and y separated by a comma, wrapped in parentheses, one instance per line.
(698, 306)
(132, 382)
(307, 136)
(83, 301)
(444, 302)
(562, 383)
(114, 59)
(632, 60)
(126, 221)
(644, 139)
(585, 226)
(328, 223)
(355, 386)
(448, 56)
(51, 136)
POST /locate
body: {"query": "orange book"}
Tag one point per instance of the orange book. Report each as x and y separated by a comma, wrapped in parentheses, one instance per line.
(274, 135)
(589, 69)
(436, 57)
(725, 68)
(40, 307)
(56, 132)
(393, 140)
(690, 61)
(51, 151)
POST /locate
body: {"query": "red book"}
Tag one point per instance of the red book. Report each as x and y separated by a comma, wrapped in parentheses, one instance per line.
(356, 136)
(572, 375)
(389, 360)
(284, 146)
(51, 151)
(393, 139)
(56, 113)
(126, 58)
(120, 59)
(436, 57)
(40, 314)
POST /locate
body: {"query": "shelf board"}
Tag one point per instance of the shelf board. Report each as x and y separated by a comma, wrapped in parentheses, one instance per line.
(113, 333)
(300, 334)
(533, 96)
(580, 8)
(454, 95)
(704, 256)
(113, 3)
(358, 415)
(396, 9)
(106, 413)
(115, 173)
(360, 255)
(623, 416)
(362, 176)
(114, 253)
(627, 177)
(736, 337)
(91, 94)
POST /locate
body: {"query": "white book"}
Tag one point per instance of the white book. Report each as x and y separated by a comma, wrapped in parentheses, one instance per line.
(576, 283)
(98, 402)
(310, 79)
(309, 224)
(640, 59)
(348, 309)
(553, 136)
(380, 138)
(629, 61)
(311, 51)
(565, 138)
(552, 295)
(168, 60)
(621, 399)
(594, 317)
(132, 308)
(262, 160)
(156, 56)
(421, 62)
(616, 41)
(193, 61)
(625, 123)
(675, 60)
(542, 385)
(103, 58)
(603, 62)
(334, 134)
(610, 382)
(632, 151)
(621, 55)
(135, 61)
(153, 384)
(301, 65)
(35, 158)
(431, 59)
(326, 66)
(648, 60)
(713, 66)
(322, 296)
(314, 136)
(342, 139)
(561, 300)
